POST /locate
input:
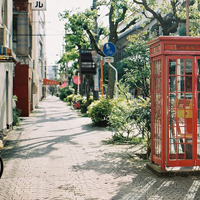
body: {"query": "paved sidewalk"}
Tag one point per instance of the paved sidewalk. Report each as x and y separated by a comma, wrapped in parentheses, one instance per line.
(56, 154)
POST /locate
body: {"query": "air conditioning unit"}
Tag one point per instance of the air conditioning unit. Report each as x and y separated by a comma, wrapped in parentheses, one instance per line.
(4, 37)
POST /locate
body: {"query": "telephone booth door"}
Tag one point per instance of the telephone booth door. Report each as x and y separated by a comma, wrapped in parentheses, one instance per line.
(183, 116)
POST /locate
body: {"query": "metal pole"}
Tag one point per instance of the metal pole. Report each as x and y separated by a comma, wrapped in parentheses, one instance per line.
(101, 81)
(187, 17)
(116, 79)
(78, 85)
(95, 93)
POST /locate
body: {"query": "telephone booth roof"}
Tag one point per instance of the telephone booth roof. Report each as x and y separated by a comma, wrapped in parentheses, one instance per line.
(172, 45)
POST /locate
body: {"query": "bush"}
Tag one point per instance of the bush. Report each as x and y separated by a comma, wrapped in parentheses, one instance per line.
(64, 92)
(85, 104)
(142, 117)
(125, 118)
(99, 111)
(69, 98)
(121, 120)
(77, 98)
(16, 112)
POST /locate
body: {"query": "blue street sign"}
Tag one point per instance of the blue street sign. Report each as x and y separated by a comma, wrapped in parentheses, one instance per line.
(109, 49)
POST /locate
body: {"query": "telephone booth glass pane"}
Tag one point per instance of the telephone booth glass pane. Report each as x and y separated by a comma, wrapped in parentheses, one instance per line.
(156, 104)
(180, 109)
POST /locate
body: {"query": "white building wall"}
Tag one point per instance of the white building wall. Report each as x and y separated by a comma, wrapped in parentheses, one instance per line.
(38, 53)
(6, 74)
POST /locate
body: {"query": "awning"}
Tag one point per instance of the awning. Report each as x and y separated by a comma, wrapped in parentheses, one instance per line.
(7, 55)
(63, 85)
(50, 82)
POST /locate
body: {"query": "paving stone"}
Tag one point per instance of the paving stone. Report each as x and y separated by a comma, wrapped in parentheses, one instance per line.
(56, 154)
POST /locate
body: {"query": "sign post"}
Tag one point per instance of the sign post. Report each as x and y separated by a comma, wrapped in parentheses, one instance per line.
(96, 59)
(109, 49)
(101, 81)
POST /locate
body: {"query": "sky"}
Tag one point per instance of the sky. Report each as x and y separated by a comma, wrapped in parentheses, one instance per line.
(55, 27)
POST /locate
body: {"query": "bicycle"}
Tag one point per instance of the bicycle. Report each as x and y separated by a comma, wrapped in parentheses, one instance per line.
(1, 166)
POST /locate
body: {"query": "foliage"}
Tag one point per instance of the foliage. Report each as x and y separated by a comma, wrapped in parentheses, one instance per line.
(84, 104)
(69, 98)
(138, 63)
(64, 92)
(169, 14)
(16, 115)
(121, 121)
(123, 89)
(16, 112)
(99, 111)
(118, 139)
(131, 122)
(142, 117)
(80, 31)
(77, 98)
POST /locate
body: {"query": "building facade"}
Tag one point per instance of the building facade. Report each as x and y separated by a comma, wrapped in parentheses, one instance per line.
(29, 43)
(22, 59)
(7, 62)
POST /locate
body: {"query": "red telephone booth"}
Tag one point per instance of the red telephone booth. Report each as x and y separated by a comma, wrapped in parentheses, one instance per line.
(175, 108)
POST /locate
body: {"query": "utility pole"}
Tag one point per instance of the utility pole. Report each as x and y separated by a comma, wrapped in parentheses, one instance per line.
(187, 17)
(95, 93)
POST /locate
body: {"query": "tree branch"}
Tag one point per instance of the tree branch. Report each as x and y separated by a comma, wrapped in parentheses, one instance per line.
(93, 41)
(156, 15)
(128, 25)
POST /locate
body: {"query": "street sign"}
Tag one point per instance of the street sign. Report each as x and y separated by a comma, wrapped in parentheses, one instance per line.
(109, 49)
(109, 59)
(86, 63)
(39, 5)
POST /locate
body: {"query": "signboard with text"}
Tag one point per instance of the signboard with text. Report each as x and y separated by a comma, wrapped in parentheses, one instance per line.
(86, 63)
(39, 5)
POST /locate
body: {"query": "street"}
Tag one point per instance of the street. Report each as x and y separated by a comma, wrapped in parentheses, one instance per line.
(57, 154)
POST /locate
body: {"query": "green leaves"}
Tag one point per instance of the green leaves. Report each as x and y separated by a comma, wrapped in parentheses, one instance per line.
(137, 72)
(121, 121)
(99, 111)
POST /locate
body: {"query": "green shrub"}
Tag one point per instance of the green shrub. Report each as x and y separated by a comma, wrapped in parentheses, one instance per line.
(85, 104)
(99, 111)
(142, 117)
(126, 117)
(69, 98)
(77, 98)
(121, 121)
(64, 92)
(16, 112)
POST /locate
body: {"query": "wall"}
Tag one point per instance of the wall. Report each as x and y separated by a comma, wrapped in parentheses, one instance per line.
(39, 55)
(6, 86)
(6, 72)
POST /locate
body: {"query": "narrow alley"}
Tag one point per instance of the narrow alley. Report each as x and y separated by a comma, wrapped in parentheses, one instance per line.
(56, 154)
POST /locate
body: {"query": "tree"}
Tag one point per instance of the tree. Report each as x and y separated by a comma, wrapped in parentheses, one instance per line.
(80, 28)
(137, 72)
(170, 15)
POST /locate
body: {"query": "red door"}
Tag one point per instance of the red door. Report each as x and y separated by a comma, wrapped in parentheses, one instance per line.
(182, 111)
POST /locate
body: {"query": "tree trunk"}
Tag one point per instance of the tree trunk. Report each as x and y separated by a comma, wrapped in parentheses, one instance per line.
(111, 83)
